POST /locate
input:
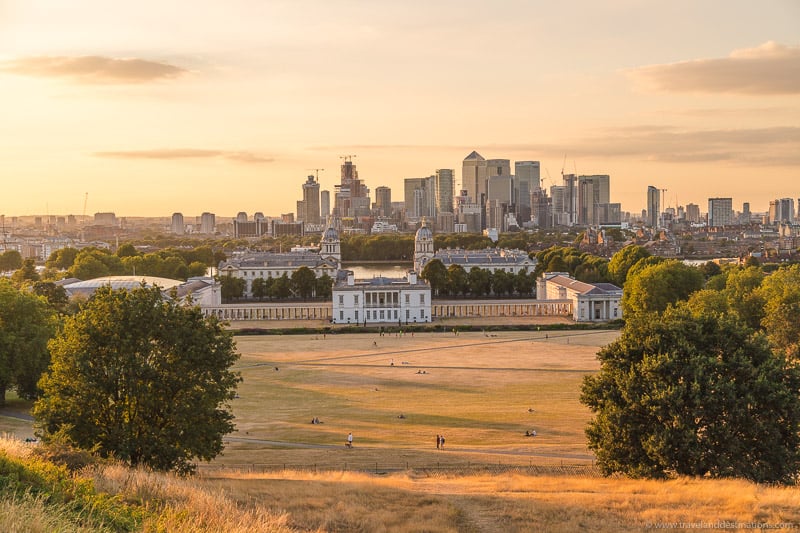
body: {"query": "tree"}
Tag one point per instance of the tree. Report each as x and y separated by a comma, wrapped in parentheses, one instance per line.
(457, 280)
(303, 282)
(654, 287)
(435, 273)
(55, 295)
(324, 286)
(127, 250)
(502, 282)
(781, 319)
(524, 282)
(258, 287)
(282, 287)
(232, 288)
(10, 260)
(480, 281)
(26, 324)
(141, 378)
(62, 259)
(694, 394)
(623, 260)
(26, 273)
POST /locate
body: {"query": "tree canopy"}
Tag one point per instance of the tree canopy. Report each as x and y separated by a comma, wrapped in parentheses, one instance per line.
(142, 378)
(694, 392)
(623, 260)
(26, 324)
(654, 287)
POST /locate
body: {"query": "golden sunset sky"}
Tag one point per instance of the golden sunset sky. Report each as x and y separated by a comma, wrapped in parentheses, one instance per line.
(154, 107)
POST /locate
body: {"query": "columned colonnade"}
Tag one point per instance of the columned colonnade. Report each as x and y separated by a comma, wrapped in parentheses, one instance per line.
(439, 309)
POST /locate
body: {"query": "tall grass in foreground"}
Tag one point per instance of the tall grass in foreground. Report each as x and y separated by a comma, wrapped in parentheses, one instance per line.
(38, 495)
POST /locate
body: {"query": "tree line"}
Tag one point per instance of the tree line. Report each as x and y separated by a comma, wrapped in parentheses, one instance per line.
(302, 284)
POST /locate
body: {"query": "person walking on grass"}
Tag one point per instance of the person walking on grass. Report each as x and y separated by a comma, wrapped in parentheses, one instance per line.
(438, 441)
(349, 442)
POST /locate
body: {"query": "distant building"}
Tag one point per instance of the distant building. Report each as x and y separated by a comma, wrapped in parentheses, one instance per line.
(177, 226)
(527, 178)
(383, 201)
(381, 300)
(101, 219)
(720, 212)
(311, 202)
(653, 207)
(591, 302)
(444, 186)
(473, 177)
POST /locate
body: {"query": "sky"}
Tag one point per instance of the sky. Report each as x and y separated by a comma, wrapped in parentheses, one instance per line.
(152, 107)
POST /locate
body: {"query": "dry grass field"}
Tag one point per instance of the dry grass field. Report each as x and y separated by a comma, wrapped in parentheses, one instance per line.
(482, 391)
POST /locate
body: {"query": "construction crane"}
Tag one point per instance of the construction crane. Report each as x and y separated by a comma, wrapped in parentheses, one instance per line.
(347, 158)
(316, 172)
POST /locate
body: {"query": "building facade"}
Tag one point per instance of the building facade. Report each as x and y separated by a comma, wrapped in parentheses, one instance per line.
(381, 300)
(720, 212)
(591, 302)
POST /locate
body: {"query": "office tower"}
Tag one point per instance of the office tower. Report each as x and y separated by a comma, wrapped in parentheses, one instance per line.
(352, 196)
(720, 212)
(570, 199)
(498, 167)
(610, 213)
(311, 211)
(325, 204)
(443, 189)
(241, 216)
(593, 192)
(541, 216)
(527, 179)
(420, 198)
(558, 205)
(692, 213)
(383, 201)
(653, 207)
(783, 211)
(473, 176)
(177, 224)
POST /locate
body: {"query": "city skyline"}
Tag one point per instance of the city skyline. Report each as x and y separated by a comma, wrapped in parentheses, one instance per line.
(205, 107)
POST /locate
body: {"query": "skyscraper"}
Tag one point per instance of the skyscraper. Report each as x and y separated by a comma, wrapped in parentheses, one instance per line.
(352, 196)
(383, 201)
(473, 176)
(593, 192)
(311, 211)
(527, 179)
(420, 200)
(325, 204)
(720, 212)
(653, 207)
(443, 187)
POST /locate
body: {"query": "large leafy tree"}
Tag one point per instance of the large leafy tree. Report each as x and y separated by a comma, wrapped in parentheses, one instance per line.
(480, 281)
(26, 324)
(654, 287)
(623, 260)
(231, 287)
(26, 274)
(694, 393)
(781, 295)
(457, 280)
(142, 378)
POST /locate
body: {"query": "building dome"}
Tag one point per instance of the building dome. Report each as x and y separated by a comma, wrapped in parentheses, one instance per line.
(330, 234)
(423, 233)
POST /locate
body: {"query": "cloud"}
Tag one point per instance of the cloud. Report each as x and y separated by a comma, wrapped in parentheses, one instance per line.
(771, 68)
(186, 153)
(93, 69)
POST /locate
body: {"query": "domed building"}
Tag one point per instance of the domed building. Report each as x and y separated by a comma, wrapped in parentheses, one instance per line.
(491, 259)
(249, 266)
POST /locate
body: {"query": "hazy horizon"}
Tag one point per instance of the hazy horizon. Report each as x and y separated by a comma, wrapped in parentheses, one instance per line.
(155, 108)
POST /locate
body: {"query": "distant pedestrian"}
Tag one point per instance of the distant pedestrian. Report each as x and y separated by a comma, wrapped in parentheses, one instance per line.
(441, 442)
(349, 442)
(438, 441)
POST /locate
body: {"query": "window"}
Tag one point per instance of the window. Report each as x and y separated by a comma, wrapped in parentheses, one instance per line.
(341, 315)
(341, 300)
(395, 314)
(421, 299)
(408, 299)
(356, 315)
(355, 300)
(408, 314)
(382, 315)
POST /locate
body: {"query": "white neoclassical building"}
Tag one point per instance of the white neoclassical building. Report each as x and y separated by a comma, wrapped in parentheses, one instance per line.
(381, 300)
(591, 302)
